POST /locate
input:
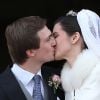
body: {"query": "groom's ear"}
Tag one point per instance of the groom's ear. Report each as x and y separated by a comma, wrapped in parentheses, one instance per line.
(75, 38)
(30, 52)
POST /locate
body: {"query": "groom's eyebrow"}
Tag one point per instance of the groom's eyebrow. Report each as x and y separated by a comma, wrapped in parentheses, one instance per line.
(49, 37)
(55, 34)
(51, 34)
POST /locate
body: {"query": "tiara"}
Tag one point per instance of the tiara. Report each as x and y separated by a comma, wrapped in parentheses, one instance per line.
(72, 13)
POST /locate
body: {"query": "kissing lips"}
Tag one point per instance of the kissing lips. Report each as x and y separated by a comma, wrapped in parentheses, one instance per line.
(54, 52)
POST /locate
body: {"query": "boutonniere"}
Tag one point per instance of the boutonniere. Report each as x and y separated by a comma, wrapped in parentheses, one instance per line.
(54, 82)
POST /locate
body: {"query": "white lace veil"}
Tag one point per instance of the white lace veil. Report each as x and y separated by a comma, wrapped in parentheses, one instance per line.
(89, 23)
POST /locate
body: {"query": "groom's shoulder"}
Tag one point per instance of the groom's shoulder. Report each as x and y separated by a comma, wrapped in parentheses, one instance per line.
(6, 74)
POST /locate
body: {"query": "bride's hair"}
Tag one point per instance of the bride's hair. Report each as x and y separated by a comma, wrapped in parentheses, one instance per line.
(70, 24)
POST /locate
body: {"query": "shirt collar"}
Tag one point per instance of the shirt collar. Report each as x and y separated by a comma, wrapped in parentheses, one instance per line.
(24, 76)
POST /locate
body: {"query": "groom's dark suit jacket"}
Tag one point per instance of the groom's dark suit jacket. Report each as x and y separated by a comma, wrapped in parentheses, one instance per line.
(11, 90)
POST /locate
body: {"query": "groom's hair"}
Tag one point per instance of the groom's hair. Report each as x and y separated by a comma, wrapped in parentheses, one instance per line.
(21, 35)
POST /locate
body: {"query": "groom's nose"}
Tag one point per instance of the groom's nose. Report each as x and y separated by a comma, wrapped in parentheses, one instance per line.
(54, 43)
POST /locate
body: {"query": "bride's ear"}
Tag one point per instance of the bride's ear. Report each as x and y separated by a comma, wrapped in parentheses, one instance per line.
(75, 37)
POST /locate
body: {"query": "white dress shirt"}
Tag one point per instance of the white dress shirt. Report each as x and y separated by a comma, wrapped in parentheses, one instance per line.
(26, 78)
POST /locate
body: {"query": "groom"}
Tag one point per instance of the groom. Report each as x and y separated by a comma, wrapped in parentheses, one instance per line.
(30, 44)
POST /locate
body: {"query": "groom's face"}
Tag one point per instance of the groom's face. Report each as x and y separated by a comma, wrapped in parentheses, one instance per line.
(47, 45)
(63, 42)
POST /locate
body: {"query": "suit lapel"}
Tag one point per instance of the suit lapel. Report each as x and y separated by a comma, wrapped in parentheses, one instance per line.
(11, 86)
(49, 91)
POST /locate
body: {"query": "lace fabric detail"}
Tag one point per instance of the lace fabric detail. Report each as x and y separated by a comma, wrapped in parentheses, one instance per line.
(92, 28)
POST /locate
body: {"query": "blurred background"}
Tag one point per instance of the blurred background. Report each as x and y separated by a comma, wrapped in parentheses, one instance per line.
(49, 9)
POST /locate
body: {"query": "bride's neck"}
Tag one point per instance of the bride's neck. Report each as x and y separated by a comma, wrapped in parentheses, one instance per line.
(72, 55)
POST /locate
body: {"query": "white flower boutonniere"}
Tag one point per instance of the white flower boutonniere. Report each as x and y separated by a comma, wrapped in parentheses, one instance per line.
(54, 81)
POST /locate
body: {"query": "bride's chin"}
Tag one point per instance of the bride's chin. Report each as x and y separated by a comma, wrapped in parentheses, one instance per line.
(57, 57)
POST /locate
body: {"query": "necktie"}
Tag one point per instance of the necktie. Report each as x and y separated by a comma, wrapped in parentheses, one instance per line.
(37, 95)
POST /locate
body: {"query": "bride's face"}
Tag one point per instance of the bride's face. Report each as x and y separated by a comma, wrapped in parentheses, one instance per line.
(63, 40)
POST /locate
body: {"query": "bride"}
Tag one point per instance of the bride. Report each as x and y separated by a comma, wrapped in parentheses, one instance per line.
(78, 42)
